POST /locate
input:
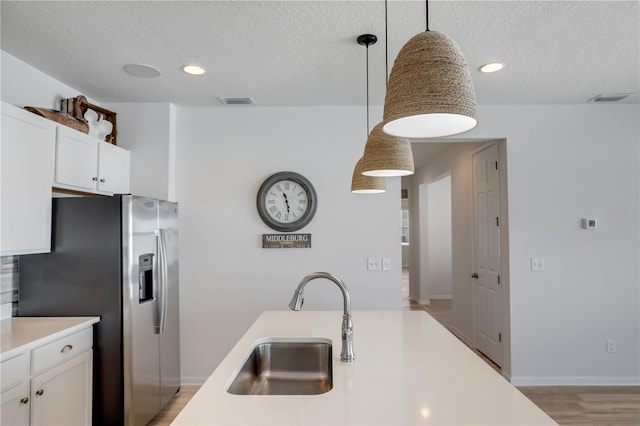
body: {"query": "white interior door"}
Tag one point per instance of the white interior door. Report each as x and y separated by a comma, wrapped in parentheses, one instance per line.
(486, 253)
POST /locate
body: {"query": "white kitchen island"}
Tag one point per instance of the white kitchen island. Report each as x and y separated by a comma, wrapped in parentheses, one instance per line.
(408, 370)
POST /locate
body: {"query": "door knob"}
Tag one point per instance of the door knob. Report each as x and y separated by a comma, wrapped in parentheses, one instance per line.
(39, 392)
(474, 275)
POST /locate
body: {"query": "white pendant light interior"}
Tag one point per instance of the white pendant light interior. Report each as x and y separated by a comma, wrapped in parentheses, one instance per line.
(431, 125)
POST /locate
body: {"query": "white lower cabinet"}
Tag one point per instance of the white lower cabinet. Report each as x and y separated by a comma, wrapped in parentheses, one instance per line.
(14, 409)
(62, 395)
(84, 163)
(50, 384)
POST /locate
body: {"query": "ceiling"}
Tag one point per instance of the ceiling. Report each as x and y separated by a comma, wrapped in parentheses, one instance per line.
(299, 53)
(304, 53)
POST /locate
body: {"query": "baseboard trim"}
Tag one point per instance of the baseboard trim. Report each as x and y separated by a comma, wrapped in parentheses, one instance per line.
(420, 301)
(441, 297)
(574, 381)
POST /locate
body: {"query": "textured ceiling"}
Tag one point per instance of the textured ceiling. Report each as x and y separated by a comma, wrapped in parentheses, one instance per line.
(290, 53)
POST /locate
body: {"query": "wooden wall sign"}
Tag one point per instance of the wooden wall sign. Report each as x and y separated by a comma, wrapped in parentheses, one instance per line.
(286, 240)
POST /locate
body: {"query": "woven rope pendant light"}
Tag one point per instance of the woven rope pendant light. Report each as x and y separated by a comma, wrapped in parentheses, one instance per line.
(430, 92)
(361, 184)
(386, 155)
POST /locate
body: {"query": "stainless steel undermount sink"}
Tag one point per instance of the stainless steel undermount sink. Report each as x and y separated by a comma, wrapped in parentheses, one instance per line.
(285, 367)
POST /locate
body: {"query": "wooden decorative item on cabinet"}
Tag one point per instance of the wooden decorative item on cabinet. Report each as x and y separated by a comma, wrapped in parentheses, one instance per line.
(79, 124)
(77, 106)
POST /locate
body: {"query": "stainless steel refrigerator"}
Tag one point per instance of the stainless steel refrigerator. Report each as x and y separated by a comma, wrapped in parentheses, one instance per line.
(117, 258)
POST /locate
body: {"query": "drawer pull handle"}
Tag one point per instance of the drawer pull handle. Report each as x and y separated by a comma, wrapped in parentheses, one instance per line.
(66, 348)
(24, 400)
(39, 392)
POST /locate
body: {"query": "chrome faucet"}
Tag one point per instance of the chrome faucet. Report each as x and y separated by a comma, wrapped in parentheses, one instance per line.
(346, 355)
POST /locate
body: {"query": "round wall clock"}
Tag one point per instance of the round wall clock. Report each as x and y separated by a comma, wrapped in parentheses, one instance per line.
(287, 201)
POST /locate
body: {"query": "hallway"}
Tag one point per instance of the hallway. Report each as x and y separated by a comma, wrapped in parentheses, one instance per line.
(440, 310)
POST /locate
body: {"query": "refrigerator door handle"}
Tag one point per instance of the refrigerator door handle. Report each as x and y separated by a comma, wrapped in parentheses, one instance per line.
(164, 274)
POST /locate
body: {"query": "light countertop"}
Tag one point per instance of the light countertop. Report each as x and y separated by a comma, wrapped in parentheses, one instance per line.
(408, 370)
(23, 333)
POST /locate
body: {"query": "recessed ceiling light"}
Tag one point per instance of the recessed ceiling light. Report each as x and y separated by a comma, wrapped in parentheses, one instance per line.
(193, 69)
(141, 70)
(490, 67)
(610, 97)
(236, 101)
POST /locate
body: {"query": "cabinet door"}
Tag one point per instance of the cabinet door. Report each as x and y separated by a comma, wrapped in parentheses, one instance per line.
(113, 169)
(14, 406)
(76, 165)
(62, 395)
(26, 177)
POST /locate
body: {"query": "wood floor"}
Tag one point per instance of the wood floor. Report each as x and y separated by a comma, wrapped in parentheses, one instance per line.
(567, 405)
(171, 410)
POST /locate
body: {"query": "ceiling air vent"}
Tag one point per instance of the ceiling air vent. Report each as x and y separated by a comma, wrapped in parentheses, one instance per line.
(236, 101)
(610, 97)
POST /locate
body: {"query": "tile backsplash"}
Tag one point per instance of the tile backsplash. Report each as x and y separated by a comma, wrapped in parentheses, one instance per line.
(9, 270)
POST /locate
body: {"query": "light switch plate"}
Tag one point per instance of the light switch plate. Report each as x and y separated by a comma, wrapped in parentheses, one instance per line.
(386, 264)
(373, 264)
(537, 264)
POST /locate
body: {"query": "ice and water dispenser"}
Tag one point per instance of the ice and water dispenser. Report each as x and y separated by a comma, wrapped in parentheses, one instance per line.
(145, 280)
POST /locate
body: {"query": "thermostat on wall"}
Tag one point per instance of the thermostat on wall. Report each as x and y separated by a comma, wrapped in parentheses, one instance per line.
(589, 223)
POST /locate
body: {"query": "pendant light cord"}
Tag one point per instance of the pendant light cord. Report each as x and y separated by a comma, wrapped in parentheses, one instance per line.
(426, 7)
(367, 134)
(386, 45)
(366, 40)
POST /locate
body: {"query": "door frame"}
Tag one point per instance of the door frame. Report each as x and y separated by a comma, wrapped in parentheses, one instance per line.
(504, 255)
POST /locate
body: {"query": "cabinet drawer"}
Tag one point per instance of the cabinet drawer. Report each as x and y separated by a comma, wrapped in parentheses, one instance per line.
(14, 371)
(61, 350)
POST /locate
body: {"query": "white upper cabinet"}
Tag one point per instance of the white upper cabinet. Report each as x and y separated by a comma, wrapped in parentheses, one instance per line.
(34, 157)
(84, 163)
(113, 168)
(26, 176)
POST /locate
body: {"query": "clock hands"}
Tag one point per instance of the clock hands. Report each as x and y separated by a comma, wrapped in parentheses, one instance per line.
(286, 201)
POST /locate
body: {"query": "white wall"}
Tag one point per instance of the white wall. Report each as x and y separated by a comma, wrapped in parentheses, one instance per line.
(438, 237)
(565, 163)
(432, 220)
(148, 131)
(227, 278)
(24, 85)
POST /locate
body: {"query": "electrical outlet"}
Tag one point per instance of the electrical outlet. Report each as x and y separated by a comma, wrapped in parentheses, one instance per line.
(537, 264)
(611, 346)
(373, 264)
(386, 264)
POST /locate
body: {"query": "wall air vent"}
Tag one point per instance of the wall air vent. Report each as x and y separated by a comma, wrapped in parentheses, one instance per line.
(610, 97)
(236, 101)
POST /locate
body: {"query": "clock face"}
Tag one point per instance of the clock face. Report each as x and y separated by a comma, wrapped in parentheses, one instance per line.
(286, 201)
